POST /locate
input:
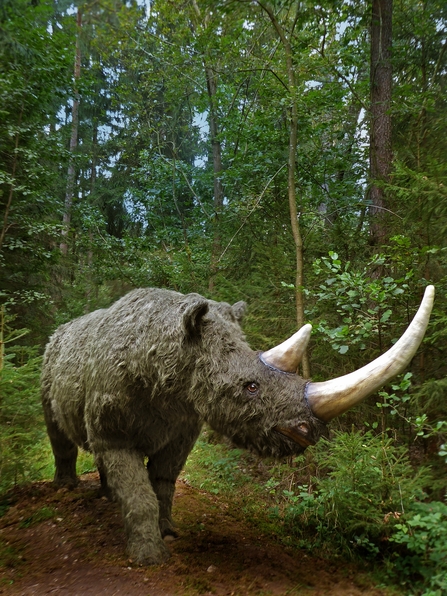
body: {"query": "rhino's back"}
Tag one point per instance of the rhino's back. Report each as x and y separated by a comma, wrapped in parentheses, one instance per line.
(110, 357)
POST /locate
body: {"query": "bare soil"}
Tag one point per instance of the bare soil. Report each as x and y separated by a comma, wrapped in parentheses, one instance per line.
(72, 543)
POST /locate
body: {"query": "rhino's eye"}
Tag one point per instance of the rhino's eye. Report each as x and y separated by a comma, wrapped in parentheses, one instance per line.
(252, 388)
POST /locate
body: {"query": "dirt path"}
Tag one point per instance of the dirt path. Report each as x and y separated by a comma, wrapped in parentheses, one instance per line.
(72, 543)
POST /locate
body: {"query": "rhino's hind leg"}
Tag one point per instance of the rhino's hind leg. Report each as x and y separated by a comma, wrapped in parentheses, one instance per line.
(163, 469)
(64, 450)
(127, 478)
(105, 488)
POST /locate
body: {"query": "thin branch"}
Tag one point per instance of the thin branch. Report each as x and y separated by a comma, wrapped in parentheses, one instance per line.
(177, 68)
(264, 69)
(189, 185)
(295, 21)
(251, 211)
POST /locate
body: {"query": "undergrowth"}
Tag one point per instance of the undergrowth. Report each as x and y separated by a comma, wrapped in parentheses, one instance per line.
(25, 452)
(356, 497)
(21, 421)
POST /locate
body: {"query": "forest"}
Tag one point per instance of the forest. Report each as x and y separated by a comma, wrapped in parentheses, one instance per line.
(290, 154)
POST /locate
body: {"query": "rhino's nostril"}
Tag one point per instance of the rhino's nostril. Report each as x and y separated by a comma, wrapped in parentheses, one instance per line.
(298, 434)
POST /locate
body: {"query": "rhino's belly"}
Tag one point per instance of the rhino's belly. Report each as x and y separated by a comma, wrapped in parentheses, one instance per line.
(147, 428)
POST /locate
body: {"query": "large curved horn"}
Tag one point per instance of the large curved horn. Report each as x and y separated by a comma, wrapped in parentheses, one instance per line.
(331, 398)
(288, 355)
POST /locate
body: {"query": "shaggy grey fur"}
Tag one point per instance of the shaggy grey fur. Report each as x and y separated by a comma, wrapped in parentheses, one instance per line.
(139, 379)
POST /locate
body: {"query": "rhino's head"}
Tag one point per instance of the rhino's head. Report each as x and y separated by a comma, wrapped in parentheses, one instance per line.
(259, 401)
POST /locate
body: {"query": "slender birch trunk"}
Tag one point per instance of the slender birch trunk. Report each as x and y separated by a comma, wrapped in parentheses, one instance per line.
(217, 171)
(291, 187)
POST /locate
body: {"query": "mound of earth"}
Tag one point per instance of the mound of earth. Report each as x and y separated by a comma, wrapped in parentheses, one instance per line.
(72, 543)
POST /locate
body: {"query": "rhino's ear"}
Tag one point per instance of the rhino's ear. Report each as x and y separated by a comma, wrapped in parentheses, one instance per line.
(195, 309)
(239, 310)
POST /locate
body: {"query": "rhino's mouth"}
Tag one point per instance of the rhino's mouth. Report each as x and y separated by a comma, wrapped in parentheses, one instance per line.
(298, 434)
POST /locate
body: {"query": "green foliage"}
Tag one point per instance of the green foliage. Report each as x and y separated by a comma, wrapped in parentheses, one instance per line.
(364, 484)
(38, 516)
(368, 312)
(213, 467)
(143, 214)
(422, 530)
(21, 422)
(21, 418)
(34, 78)
(365, 304)
(393, 402)
(356, 496)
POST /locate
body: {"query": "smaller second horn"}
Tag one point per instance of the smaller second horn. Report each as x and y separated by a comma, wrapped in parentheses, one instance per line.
(287, 356)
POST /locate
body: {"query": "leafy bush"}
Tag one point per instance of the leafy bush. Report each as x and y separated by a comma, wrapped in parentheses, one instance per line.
(365, 484)
(364, 305)
(423, 532)
(361, 497)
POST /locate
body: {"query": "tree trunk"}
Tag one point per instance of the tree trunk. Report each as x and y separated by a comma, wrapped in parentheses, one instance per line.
(211, 84)
(90, 285)
(291, 188)
(71, 173)
(380, 134)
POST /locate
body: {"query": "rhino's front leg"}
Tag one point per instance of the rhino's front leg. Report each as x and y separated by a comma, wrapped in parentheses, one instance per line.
(127, 478)
(163, 468)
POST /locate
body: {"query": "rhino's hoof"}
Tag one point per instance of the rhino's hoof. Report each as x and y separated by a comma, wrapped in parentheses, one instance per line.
(65, 482)
(106, 493)
(149, 554)
(167, 530)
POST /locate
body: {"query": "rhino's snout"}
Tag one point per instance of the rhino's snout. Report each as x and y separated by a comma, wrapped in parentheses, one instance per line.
(298, 432)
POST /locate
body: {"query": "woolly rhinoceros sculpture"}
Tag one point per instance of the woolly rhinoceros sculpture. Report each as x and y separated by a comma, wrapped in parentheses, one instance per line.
(137, 380)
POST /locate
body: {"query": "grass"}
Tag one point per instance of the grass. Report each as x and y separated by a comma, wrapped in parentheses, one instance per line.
(9, 556)
(221, 470)
(38, 516)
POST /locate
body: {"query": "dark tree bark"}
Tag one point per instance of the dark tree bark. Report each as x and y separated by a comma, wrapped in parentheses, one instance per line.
(90, 285)
(380, 134)
(73, 141)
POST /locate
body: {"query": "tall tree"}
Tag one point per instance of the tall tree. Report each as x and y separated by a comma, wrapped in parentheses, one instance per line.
(71, 174)
(381, 74)
(33, 83)
(285, 37)
(213, 119)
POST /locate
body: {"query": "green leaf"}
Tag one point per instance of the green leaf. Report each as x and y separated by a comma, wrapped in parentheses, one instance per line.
(386, 315)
